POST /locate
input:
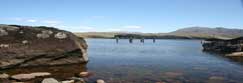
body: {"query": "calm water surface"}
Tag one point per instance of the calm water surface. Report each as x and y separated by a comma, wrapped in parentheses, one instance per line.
(166, 61)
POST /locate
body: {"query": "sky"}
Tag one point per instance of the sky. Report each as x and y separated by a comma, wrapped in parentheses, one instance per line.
(149, 16)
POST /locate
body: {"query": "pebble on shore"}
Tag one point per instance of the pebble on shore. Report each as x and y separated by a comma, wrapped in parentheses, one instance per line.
(84, 74)
(24, 77)
(100, 81)
(49, 80)
(235, 54)
(4, 76)
(68, 81)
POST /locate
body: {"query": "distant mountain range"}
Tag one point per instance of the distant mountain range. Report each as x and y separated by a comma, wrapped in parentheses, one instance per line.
(185, 33)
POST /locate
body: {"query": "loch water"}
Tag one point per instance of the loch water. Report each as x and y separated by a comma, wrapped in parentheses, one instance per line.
(166, 61)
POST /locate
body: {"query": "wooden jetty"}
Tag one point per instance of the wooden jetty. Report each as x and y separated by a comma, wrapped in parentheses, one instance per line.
(132, 37)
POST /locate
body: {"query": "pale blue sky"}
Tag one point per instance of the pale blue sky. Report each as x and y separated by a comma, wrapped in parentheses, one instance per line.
(123, 15)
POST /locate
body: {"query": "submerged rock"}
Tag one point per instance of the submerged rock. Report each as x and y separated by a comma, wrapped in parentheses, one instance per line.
(200, 68)
(173, 74)
(216, 79)
(24, 46)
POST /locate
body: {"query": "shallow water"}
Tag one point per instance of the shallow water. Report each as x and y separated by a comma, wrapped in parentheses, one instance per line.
(170, 61)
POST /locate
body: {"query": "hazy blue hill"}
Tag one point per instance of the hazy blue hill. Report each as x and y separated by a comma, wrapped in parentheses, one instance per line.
(206, 32)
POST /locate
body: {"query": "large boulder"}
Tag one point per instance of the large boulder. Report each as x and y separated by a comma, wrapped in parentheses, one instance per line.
(24, 46)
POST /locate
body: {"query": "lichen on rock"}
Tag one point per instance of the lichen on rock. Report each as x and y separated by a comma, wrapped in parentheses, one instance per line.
(44, 34)
(4, 45)
(3, 32)
(61, 35)
(25, 41)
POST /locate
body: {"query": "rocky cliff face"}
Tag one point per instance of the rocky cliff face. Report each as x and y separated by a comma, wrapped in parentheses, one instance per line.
(23, 46)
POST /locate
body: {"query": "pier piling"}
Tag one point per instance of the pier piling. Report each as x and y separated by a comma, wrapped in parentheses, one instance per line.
(130, 40)
(142, 40)
(117, 40)
(154, 40)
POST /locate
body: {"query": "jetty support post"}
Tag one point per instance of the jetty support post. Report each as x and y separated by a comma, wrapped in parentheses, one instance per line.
(142, 40)
(117, 39)
(130, 40)
(154, 40)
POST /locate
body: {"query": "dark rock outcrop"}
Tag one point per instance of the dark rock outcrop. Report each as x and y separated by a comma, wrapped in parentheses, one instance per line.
(223, 46)
(24, 46)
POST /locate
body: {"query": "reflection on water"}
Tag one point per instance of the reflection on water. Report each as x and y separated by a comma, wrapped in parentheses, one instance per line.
(166, 61)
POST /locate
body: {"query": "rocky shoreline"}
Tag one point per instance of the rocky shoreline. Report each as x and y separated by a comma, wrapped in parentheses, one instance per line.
(44, 77)
(72, 73)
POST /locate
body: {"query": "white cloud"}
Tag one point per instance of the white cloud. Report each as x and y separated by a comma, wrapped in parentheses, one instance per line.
(17, 19)
(51, 21)
(125, 28)
(86, 27)
(113, 29)
(132, 27)
(77, 28)
(31, 20)
(23, 20)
